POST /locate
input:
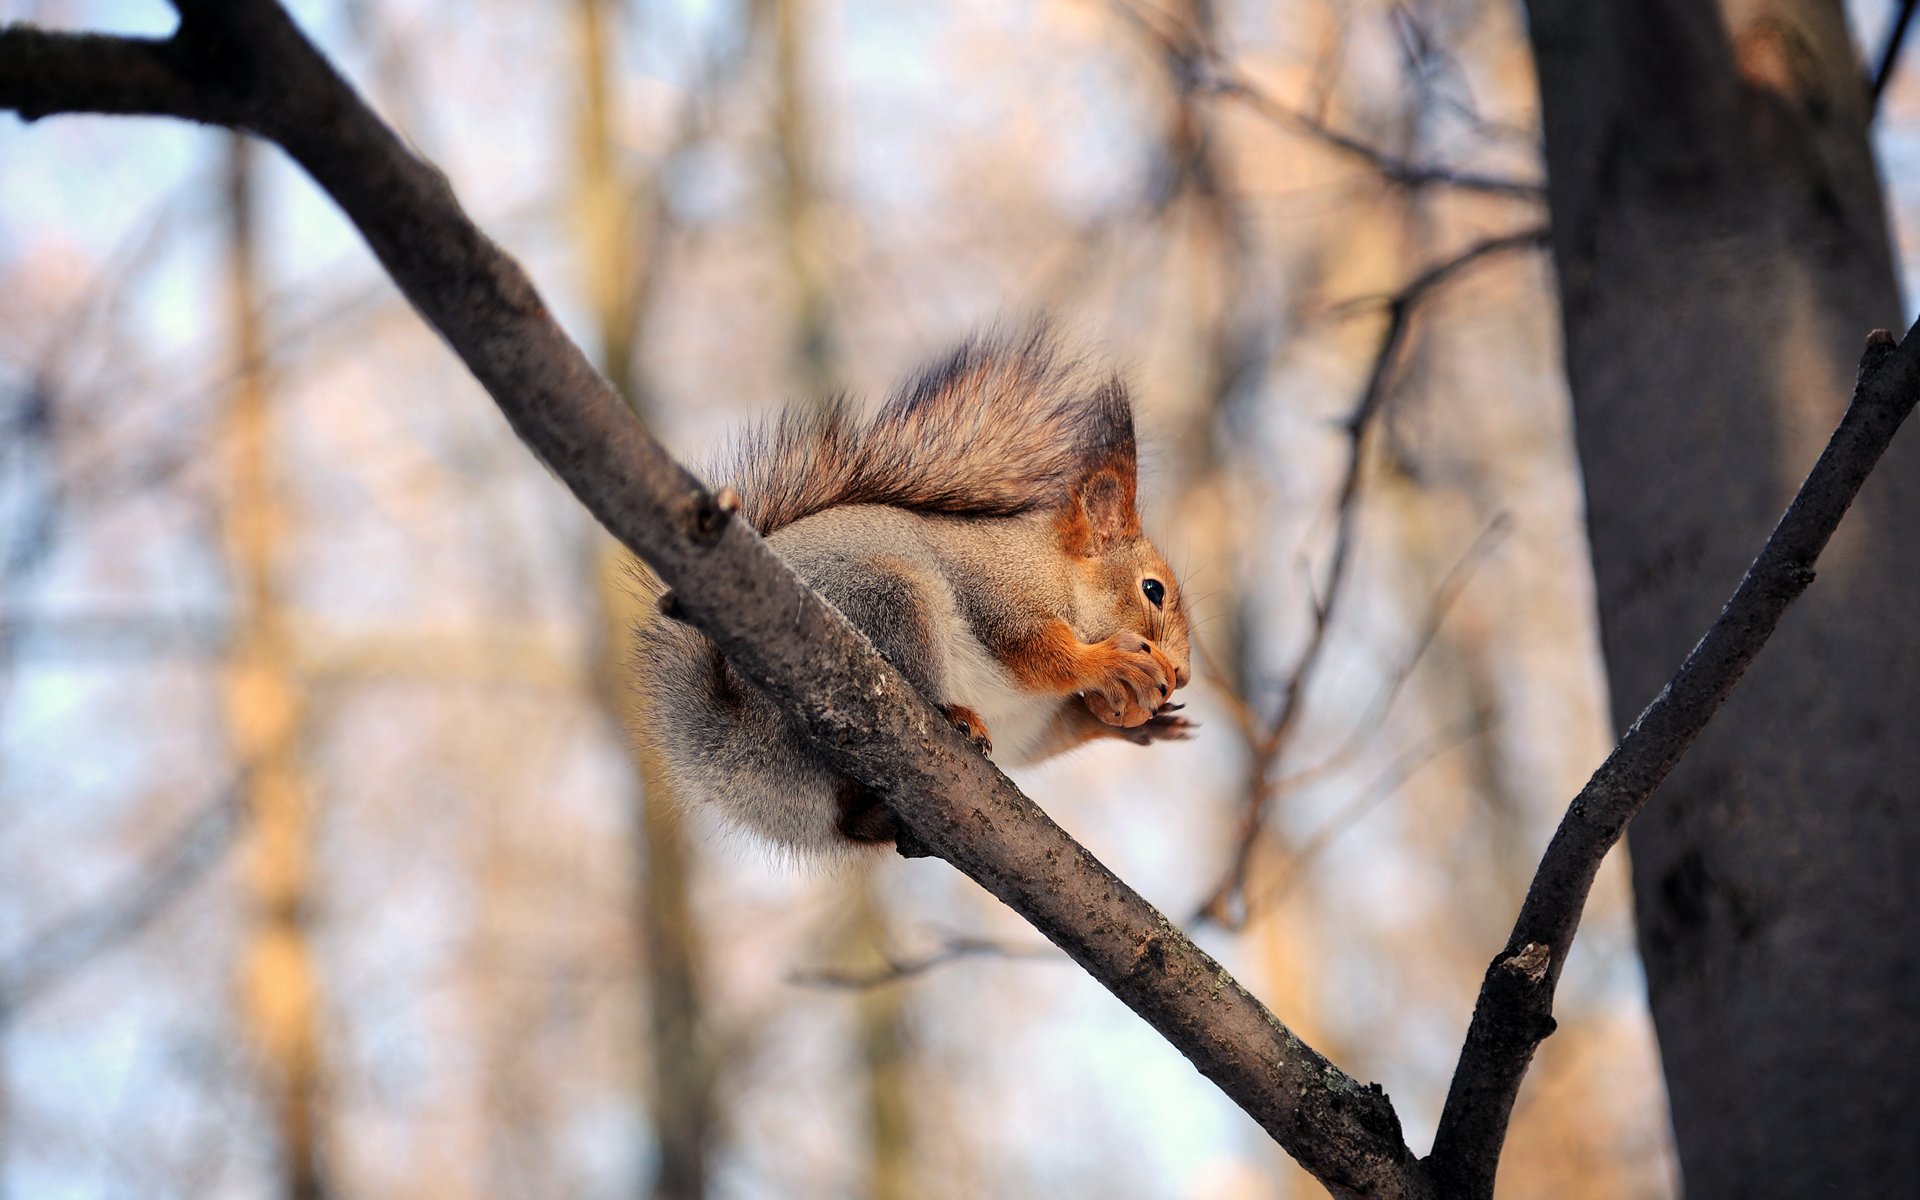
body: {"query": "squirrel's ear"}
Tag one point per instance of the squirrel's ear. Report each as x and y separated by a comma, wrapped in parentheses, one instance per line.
(1103, 512)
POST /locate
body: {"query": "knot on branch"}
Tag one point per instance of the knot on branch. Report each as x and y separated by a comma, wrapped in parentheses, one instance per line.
(1366, 1105)
(1149, 955)
(1515, 1002)
(1379, 1115)
(1880, 347)
(708, 514)
(1530, 962)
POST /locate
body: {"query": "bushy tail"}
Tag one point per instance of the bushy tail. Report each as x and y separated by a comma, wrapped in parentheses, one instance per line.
(1001, 426)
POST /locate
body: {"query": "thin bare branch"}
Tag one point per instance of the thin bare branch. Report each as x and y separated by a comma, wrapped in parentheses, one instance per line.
(1890, 54)
(1375, 714)
(1225, 903)
(1415, 289)
(1398, 772)
(1201, 70)
(955, 948)
(1394, 170)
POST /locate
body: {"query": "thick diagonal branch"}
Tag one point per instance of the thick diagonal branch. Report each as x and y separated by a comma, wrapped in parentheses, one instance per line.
(1515, 1008)
(243, 62)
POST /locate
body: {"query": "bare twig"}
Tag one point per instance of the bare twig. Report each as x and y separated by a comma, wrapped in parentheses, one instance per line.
(1442, 272)
(1365, 801)
(244, 63)
(1374, 716)
(1224, 904)
(1393, 170)
(953, 949)
(1199, 64)
(1515, 1007)
(1890, 55)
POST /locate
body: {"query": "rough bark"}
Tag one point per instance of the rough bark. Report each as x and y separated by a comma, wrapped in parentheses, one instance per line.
(1721, 243)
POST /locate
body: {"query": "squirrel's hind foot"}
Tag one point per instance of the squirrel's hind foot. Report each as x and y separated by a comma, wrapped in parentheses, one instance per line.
(968, 722)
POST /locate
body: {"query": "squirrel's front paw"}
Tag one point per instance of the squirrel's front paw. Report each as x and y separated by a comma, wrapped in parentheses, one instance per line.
(1164, 726)
(1136, 679)
(969, 723)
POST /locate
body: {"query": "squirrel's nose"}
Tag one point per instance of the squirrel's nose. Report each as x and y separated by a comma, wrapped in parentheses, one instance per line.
(1180, 676)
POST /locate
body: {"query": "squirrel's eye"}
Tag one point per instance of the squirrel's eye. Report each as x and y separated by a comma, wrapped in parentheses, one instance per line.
(1155, 590)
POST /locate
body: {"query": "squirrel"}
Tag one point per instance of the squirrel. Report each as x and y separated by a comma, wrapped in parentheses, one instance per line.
(980, 530)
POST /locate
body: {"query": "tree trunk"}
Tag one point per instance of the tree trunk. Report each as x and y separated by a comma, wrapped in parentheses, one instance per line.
(1722, 250)
(279, 992)
(680, 1086)
(886, 1071)
(796, 196)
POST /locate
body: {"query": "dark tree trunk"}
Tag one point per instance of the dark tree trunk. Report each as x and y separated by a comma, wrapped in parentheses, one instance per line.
(1722, 250)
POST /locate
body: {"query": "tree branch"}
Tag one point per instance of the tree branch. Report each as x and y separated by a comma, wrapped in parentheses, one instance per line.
(1514, 1010)
(243, 62)
(954, 948)
(1199, 69)
(44, 73)
(1889, 54)
(1394, 170)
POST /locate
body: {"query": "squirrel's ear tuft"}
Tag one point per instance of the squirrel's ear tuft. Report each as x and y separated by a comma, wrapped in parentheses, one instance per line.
(1105, 435)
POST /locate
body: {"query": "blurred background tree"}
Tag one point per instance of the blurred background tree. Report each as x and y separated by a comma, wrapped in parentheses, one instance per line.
(423, 924)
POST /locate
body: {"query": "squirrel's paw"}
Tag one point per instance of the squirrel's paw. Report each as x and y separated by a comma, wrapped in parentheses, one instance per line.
(1136, 678)
(969, 723)
(1163, 726)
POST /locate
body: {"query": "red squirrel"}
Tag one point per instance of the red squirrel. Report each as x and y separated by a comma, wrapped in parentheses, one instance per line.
(980, 529)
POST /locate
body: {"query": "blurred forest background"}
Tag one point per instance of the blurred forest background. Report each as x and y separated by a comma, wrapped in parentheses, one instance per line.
(325, 868)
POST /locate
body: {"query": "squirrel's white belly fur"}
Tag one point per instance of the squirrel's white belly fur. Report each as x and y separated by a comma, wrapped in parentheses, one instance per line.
(1016, 720)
